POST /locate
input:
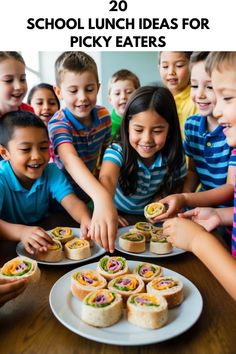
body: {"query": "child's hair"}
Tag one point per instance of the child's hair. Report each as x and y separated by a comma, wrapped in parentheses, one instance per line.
(11, 55)
(160, 100)
(17, 119)
(122, 75)
(187, 55)
(78, 62)
(42, 86)
(196, 57)
(216, 60)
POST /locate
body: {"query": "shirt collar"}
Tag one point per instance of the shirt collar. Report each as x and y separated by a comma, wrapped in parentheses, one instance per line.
(159, 161)
(13, 181)
(203, 128)
(77, 124)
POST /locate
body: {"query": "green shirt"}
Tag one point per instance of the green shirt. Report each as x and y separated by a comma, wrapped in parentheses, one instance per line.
(116, 122)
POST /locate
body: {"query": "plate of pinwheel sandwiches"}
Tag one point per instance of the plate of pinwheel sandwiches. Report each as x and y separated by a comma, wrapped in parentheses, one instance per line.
(67, 248)
(145, 240)
(121, 302)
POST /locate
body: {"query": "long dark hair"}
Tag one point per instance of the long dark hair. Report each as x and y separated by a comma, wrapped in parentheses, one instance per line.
(161, 100)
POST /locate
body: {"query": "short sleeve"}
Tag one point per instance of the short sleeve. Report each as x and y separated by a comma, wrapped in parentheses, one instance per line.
(59, 186)
(114, 154)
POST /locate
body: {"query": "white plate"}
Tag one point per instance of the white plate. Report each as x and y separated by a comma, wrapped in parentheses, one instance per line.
(147, 253)
(96, 251)
(67, 309)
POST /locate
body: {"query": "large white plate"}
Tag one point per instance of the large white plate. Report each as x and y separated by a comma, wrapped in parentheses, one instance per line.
(96, 251)
(67, 309)
(147, 253)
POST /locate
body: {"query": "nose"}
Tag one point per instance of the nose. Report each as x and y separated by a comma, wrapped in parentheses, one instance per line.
(46, 106)
(201, 92)
(82, 97)
(35, 154)
(147, 136)
(171, 70)
(17, 84)
(217, 112)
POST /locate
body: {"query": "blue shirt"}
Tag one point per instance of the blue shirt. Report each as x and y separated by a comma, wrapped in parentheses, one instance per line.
(148, 183)
(209, 151)
(26, 206)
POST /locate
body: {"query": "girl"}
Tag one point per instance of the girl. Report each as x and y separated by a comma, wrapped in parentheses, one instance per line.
(44, 101)
(175, 74)
(13, 85)
(149, 162)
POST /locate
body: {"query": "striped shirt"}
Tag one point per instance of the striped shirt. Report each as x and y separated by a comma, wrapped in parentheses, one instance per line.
(88, 142)
(233, 240)
(209, 151)
(148, 183)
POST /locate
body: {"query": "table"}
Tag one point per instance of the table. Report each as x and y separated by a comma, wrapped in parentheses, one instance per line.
(31, 328)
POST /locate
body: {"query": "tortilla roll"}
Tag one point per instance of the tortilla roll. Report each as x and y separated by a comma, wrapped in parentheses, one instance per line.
(147, 310)
(85, 281)
(159, 243)
(145, 228)
(102, 308)
(20, 267)
(77, 249)
(54, 252)
(132, 242)
(126, 285)
(169, 287)
(62, 234)
(112, 267)
(148, 271)
(154, 209)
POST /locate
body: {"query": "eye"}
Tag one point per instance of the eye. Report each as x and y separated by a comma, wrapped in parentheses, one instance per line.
(194, 86)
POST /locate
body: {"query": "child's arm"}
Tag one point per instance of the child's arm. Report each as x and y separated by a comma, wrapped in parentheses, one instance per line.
(32, 237)
(192, 180)
(192, 237)
(104, 222)
(9, 289)
(79, 212)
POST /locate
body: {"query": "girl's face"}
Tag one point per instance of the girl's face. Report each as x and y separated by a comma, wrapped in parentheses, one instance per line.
(147, 134)
(44, 104)
(120, 92)
(28, 154)
(13, 85)
(174, 71)
(201, 89)
(224, 84)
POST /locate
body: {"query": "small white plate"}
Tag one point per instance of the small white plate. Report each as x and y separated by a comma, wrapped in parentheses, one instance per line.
(147, 253)
(66, 309)
(96, 251)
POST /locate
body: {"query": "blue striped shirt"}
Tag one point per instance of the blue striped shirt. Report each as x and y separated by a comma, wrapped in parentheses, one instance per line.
(88, 142)
(209, 151)
(148, 183)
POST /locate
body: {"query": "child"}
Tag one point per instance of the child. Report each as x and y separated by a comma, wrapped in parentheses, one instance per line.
(44, 101)
(175, 74)
(13, 85)
(210, 160)
(27, 181)
(150, 162)
(121, 85)
(79, 133)
(9, 289)
(188, 234)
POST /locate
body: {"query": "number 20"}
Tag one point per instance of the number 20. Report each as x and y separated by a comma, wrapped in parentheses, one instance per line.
(121, 5)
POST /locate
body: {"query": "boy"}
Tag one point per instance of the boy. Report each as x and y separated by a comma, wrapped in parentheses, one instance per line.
(27, 181)
(121, 85)
(210, 160)
(189, 235)
(79, 134)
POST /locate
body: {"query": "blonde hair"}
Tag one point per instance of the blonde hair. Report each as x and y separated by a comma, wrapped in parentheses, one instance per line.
(122, 75)
(218, 60)
(11, 55)
(78, 62)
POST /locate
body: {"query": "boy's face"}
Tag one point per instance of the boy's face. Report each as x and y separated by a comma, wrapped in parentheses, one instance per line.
(120, 92)
(224, 84)
(202, 92)
(174, 71)
(79, 91)
(13, 85)
(28, 153)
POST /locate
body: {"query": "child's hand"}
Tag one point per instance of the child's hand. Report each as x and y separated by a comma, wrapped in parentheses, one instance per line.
(122, 222)
(174, 203)
(181, 232)
(85, 226)
(35, 239)
(9, 289)
(104, 223)
(207, 217)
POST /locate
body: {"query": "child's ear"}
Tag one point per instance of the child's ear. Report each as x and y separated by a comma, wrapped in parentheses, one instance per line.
(4, 153)
(57, 91)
